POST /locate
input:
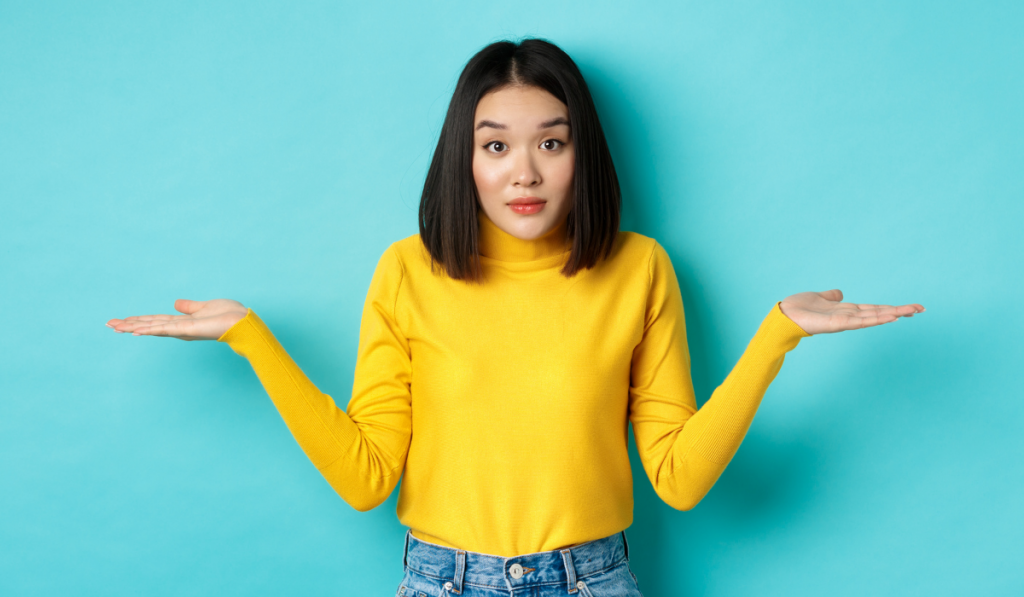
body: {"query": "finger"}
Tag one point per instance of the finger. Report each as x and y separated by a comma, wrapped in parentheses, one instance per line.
(890, 310)
(159, 330)
(148, 330)
(908, 310)
(187, 306)
(174, 329)
(122, 325)
(885, 310)
(866, 321)
(145, 317)
(131, 326)
(161, 317)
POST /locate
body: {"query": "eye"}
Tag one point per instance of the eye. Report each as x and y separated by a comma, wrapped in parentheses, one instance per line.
(499, 146)
(552, 144)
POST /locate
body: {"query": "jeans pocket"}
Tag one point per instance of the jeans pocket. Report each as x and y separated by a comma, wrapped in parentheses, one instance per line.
(636, 583)
(405, 591)
(617, 581)
(415, 584)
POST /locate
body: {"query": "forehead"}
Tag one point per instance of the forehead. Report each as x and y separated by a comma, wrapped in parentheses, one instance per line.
(525, 105)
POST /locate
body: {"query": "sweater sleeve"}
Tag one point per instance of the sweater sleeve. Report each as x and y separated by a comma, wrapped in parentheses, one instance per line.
(685, 450)
(360, 452)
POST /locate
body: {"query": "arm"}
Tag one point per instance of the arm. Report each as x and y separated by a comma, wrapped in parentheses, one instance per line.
(684, 450)
(360, 452)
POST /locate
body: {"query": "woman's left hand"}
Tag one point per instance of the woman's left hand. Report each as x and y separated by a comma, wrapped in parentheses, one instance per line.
(823, 313)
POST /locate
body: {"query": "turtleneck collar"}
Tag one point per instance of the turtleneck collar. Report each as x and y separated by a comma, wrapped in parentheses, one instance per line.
(499, 245)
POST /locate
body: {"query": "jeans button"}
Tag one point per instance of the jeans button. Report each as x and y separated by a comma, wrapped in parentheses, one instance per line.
(515, 571)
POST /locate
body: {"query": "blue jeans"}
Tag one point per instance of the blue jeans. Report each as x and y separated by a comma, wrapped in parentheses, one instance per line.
(598, 568)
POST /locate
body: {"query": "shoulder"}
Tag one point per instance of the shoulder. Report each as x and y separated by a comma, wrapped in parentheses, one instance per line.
(643, 254)
(397, 264)
(400, 251)
(637, 248)
(628, 266)
(407, 244)
(408, 250)
(408, 254)
(393, 263)
(635, 242)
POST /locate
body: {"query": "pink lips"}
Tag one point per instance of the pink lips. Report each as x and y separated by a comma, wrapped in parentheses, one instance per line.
(527, 205)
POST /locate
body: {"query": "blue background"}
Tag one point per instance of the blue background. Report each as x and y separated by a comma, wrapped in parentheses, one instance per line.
(269, 152)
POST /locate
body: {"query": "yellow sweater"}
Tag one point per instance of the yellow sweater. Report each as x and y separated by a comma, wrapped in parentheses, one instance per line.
(520, 391)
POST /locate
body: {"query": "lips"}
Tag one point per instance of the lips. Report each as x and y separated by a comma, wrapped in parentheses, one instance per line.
(527, 205)
(526, 201)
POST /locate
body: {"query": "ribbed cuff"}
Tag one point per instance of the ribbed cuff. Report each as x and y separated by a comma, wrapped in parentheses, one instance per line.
(239, 328)
(785, 325)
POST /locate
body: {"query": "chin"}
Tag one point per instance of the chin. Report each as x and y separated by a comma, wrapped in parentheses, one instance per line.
(531, 229)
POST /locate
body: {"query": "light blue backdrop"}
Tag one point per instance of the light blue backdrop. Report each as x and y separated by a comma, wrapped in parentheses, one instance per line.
(269, 152)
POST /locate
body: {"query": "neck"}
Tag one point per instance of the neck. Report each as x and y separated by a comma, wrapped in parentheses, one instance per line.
(497, 244)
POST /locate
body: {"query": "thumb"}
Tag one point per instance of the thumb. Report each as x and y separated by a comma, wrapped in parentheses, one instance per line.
(833, 295)
(187, 306)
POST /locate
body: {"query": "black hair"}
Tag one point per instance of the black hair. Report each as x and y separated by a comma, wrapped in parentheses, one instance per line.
(448, 206)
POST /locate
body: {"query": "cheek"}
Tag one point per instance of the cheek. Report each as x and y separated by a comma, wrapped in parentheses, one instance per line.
(563, 173)
(488, 175)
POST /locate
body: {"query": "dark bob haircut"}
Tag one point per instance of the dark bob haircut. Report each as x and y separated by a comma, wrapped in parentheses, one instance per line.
(448, 206)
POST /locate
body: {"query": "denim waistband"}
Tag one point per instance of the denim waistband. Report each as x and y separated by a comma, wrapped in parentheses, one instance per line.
(560, 566)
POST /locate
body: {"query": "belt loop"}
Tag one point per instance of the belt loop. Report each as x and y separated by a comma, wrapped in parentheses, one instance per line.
(405, 551)
(460, 571)
(625, 545)
(570, 570)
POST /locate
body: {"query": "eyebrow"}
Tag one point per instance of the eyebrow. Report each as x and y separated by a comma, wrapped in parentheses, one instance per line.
(554, 122)
(544, 125)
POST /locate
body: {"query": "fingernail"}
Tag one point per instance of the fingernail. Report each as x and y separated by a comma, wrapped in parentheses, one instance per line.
(108, 325)
(135, 333)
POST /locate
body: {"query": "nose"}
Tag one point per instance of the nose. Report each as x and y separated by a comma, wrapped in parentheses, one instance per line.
(525, 173)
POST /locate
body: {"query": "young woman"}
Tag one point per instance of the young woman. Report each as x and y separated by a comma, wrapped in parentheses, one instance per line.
(518, 334)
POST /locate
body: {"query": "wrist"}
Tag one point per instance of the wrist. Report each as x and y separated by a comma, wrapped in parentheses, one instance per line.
(236, 316)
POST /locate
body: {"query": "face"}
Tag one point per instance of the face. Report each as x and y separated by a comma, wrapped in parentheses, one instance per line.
(523, 160)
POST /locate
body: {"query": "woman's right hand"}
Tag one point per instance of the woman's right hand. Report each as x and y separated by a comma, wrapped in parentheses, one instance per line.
(203, 320)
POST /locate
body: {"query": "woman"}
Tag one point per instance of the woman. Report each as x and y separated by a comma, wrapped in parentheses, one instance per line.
(518, 334)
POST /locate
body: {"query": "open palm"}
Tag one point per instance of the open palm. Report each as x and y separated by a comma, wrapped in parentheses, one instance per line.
(824, 313)
(202, 320)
